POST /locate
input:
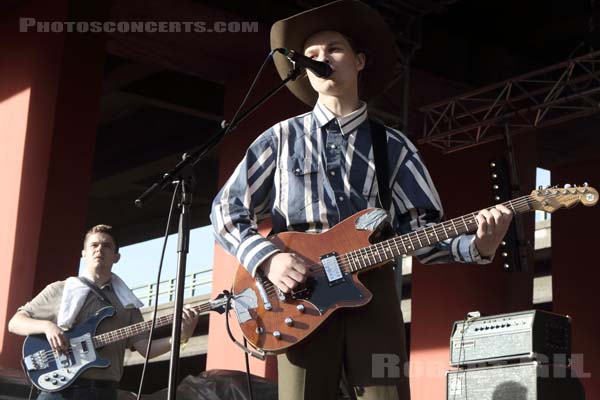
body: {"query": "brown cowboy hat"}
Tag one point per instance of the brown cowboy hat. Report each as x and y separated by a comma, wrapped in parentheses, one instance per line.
(361, 23)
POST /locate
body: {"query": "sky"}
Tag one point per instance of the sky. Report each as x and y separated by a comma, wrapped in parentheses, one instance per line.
(542, 178)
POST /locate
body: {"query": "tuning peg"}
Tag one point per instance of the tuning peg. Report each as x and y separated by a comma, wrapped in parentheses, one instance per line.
(567, 185)
(585, 184)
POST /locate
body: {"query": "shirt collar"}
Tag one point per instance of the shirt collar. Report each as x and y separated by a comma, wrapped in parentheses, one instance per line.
(348, 123)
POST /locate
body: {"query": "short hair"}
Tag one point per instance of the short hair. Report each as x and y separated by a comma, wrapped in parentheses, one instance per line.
(106, 229)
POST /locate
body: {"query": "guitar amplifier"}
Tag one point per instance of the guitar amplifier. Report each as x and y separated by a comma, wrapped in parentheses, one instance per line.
(527, 335)
(527, 381)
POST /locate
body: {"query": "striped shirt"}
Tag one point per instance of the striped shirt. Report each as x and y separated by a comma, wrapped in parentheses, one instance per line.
(310, 172)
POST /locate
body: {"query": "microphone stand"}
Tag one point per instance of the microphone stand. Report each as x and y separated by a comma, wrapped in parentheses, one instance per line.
(183, 173)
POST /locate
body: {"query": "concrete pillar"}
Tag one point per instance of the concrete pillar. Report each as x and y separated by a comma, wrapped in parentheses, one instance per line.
(49, 102)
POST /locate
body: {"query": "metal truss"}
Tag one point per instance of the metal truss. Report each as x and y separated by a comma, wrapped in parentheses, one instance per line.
(545, 97)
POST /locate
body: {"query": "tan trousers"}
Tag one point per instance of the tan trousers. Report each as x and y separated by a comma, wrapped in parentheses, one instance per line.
(368, 341)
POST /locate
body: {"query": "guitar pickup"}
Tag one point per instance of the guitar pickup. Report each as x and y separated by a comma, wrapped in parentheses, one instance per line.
(263, 293)
(332, 269)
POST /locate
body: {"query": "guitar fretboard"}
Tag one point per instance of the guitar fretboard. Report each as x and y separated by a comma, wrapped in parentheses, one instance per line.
(141, 327)
(387, 250)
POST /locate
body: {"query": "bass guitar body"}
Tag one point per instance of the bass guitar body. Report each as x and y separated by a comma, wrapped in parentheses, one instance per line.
(50, 371)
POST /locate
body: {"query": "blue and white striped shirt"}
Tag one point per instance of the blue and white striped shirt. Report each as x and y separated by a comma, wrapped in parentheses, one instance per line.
(312, 171)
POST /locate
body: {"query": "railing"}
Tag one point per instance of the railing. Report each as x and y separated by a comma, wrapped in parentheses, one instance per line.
(196, 284)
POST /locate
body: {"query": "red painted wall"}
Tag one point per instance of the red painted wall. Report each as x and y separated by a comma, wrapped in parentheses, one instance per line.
(576, 272)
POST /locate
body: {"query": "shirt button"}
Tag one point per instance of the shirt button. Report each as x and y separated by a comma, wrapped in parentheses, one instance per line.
(297, 170)
(341, 198)
(332, 146)
(332, 173)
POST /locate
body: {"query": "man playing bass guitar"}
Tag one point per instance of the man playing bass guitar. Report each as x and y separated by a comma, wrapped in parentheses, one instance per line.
(64, 304)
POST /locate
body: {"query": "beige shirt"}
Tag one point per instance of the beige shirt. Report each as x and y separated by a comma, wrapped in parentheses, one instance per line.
(46, 304)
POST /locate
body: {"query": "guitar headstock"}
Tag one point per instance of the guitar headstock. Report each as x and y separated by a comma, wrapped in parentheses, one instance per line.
(552, 198)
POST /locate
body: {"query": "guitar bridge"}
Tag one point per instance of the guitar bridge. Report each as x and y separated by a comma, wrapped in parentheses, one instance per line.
(36, 361)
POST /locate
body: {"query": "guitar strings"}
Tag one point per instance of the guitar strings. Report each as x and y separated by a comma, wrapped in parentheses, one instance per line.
(521, 204)
(50, 354)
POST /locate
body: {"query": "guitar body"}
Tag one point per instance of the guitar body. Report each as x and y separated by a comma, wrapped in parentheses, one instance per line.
(52, 374)
(292, 318)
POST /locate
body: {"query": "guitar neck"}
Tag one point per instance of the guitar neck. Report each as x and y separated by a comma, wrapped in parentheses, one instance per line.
(141, 327)
(367, 257)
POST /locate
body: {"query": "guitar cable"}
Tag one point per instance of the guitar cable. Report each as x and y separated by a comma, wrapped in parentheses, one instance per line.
(31, 391)
(260, 355)
(160, 265)
(244, 347)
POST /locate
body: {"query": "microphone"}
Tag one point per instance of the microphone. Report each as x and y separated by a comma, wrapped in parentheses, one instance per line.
(320, 69)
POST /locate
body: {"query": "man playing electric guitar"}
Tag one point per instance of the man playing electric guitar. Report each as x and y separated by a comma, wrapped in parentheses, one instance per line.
(64, 304)
(310, 172)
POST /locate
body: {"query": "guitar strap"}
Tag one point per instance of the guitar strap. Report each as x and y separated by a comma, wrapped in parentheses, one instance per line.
(95, 289)
(379, 140)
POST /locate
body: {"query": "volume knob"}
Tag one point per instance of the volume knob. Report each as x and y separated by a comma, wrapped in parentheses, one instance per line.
(300, 307)
(288, 321)
(277, 335)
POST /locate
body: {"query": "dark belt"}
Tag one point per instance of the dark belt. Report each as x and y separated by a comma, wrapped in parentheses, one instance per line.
(94, 383)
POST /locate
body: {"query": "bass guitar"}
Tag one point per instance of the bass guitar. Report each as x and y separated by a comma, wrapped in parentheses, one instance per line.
(273, 321)
(51, 372)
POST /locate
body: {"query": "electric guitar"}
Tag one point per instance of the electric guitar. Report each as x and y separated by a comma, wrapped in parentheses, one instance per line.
(52, 372)
(273, 321)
